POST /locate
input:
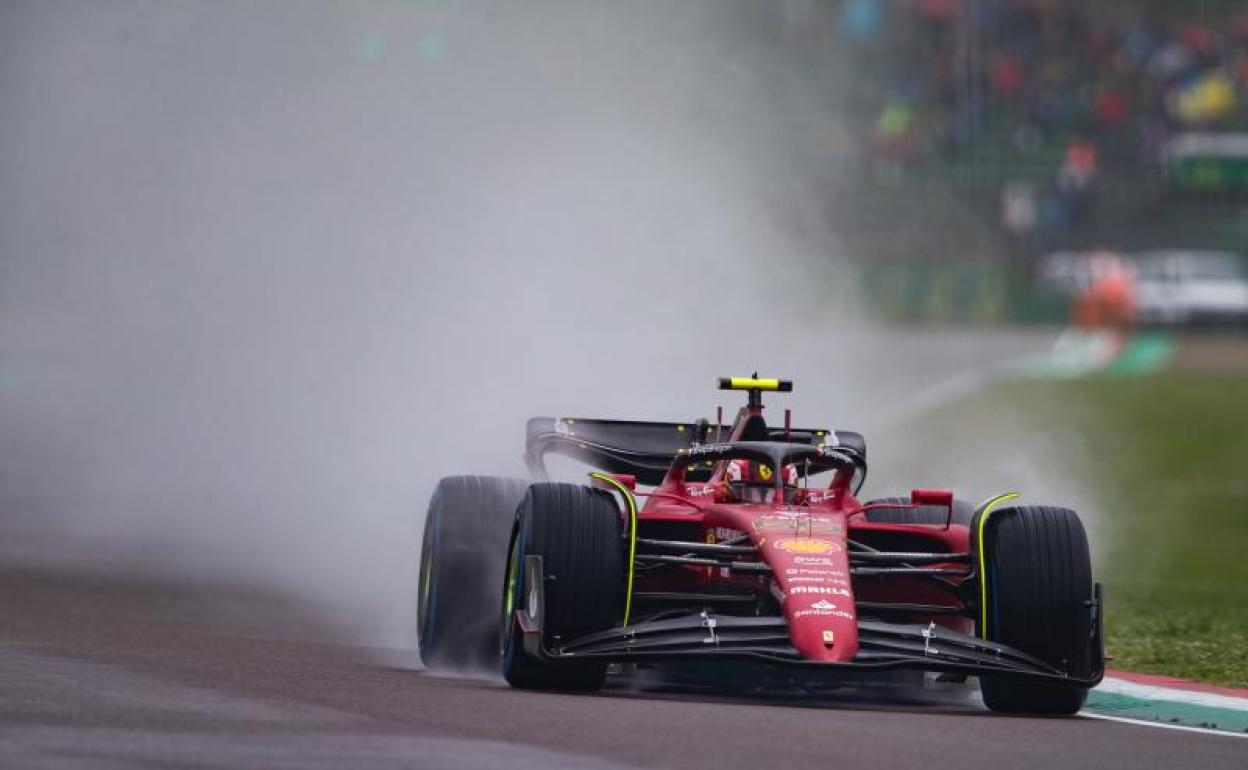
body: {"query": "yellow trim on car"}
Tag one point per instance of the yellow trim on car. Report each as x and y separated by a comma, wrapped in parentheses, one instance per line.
(753, 383)
(632, 534)
(986, 509)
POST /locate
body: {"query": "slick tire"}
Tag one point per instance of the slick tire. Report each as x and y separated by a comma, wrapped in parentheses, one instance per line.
(1039, 581)
(461, 565)
(928, 514)
(578, 533)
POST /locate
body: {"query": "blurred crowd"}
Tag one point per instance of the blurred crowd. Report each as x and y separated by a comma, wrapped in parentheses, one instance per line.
(1108, 77)
(1060, 112)
(986, 137)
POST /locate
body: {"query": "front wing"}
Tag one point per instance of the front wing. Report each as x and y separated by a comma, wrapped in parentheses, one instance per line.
(883, 646)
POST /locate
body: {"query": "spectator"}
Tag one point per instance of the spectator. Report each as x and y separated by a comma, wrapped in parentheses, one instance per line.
(1079, 167)
(1206, 99)
(1007, 75)
(1111, 107)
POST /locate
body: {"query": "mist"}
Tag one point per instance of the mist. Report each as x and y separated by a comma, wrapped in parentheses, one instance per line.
(269, 270)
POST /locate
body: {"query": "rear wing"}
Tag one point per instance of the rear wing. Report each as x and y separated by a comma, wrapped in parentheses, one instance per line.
(645, 449)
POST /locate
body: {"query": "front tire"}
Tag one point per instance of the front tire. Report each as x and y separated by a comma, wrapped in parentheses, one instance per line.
(1040, 588)
(578, 533)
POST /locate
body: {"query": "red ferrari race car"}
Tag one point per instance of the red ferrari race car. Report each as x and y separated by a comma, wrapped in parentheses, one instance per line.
(750, 544)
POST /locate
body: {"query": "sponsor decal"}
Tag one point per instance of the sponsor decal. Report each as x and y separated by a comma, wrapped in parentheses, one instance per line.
(820, 580)
(824, 608)
(811, 571)
(824, 590)
(764, 472)
(774, 523)
(816, 496)
(829, 636)
(797, 523)
(808, 546)
(708, 449)
(813, 560)
(701, 491)
(823, 614)
(826, 527)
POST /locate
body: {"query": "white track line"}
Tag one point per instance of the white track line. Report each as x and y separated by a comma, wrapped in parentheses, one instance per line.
(1163, 725)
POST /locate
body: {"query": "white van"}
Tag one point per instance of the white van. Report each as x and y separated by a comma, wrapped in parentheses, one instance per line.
(1179, 286)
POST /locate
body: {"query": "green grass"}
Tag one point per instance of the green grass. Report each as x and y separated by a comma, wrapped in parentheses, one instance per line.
(1165, 461)
(1157, 467)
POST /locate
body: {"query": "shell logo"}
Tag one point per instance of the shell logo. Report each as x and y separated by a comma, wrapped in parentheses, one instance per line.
(805, 546)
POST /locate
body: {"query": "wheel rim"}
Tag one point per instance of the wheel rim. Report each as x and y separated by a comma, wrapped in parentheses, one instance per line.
(514, 588)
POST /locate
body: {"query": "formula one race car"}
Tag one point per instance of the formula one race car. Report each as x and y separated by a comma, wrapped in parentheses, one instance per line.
(751, 545)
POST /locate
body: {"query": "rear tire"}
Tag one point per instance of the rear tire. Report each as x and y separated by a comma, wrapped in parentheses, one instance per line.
(927, 514)
(578, 532)
(461, 564)
(1039, 578)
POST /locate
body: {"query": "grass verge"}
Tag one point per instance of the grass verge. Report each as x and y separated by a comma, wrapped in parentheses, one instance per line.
(1165, 459)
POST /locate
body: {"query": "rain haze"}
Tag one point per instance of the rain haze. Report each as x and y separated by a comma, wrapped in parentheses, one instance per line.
(282, 283)
(268, 270)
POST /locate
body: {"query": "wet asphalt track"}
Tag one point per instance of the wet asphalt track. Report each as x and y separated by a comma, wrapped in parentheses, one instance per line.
(99, 673)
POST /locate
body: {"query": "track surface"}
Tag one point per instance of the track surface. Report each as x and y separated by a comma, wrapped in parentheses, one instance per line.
(109, 674)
